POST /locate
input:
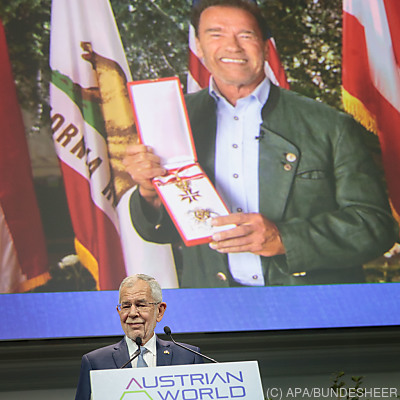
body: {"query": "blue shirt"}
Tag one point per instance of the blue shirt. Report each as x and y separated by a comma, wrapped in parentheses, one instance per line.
(236, 167)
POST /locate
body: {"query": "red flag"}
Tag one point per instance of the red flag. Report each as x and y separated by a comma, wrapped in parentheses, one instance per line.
(371, 77)
(23, 257)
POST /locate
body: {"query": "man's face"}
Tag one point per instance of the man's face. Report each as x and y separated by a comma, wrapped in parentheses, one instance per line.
(231, 45)
(141, 318)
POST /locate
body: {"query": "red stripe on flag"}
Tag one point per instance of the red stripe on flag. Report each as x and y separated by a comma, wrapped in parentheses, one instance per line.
(198, 71)
(276, 66)
(393, 17)
(388, 119)
(358, 83)
(17, 193)
(94, 230)
(356, 77)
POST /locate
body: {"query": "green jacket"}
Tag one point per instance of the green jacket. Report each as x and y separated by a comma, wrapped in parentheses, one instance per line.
(326, 198)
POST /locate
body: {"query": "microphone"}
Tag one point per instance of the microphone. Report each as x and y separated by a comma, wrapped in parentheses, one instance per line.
(138, 341)
(260, 136)
(168, 332)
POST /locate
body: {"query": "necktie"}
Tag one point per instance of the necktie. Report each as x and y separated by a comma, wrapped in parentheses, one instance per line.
(141, 363)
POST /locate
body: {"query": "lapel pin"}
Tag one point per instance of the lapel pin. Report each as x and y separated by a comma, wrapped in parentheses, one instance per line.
(291, 157)
(166, 352)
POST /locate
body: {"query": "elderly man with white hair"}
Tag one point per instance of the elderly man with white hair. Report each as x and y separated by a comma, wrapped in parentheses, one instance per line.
(140, 308)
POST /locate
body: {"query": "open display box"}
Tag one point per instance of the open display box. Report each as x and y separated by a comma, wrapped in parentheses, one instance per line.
(186, 192)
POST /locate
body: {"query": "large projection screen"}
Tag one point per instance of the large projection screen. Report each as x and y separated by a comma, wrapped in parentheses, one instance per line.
(84, 313)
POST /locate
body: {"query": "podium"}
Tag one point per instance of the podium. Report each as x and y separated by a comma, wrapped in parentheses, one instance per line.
(233, 380)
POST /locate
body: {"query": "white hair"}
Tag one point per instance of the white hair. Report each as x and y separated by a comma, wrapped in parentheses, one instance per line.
(155, 288)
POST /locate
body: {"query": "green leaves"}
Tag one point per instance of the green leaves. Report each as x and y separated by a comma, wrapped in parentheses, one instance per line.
(308, 36)
(155, 38)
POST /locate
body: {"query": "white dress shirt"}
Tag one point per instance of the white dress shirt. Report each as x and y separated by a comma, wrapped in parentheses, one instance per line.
(236, 167)
(151, 354)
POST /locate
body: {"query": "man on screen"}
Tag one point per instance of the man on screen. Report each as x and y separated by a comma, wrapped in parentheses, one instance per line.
(140, 308)
(306, 198)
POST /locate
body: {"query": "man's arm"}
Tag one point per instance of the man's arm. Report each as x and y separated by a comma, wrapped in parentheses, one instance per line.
(147, 212)
(143, 165)
(83, 391)
(148, 215)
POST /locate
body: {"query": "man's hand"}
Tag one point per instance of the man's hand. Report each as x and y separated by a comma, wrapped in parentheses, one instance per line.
(143, 165)
(253, 233)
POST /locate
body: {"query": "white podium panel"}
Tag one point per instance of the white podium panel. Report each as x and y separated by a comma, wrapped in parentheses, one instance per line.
(237, 380)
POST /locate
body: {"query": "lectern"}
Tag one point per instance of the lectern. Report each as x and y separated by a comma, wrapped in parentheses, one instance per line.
(234, 380)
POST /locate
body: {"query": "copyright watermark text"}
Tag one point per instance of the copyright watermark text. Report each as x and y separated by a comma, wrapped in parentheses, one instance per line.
(330, 393)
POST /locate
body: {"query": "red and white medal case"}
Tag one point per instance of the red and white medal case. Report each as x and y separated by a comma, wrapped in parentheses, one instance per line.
(186, 192)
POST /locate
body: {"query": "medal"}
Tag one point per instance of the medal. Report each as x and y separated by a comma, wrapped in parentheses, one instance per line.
(185, 186)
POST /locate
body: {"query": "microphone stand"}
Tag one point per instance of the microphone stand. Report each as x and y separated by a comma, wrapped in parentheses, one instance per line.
(138, 341)
(168, 332)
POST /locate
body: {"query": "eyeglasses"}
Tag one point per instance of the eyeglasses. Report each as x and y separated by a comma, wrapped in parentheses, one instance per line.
(140, 307)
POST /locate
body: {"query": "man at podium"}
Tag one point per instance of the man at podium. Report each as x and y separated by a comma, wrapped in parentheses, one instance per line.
(140, 308)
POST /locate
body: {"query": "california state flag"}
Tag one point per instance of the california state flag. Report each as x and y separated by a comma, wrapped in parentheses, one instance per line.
(371, 77)
(92, 124)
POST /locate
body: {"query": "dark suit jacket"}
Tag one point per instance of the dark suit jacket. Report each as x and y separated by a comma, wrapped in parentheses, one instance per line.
(116, 355)
(327, 197)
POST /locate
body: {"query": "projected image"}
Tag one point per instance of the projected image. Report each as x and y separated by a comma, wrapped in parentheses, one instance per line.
(292, 172)
(310, 194)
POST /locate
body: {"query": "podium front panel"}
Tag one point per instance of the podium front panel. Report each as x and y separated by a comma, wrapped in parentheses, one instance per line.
(238, 380)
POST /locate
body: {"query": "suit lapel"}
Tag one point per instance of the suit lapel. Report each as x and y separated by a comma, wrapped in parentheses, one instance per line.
(203, 119)
(164, 352)
(278, 162)
(121, 354)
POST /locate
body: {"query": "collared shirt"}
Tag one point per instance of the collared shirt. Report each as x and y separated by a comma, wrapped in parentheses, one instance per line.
(236, 167)
(150, 356)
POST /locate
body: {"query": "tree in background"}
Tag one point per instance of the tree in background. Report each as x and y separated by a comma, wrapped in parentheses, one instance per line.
(154, 34)
(27, 27)
(308, 34)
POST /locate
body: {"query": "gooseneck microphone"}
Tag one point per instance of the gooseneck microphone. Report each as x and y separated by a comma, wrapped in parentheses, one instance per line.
(168, 332)
(138, 341)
